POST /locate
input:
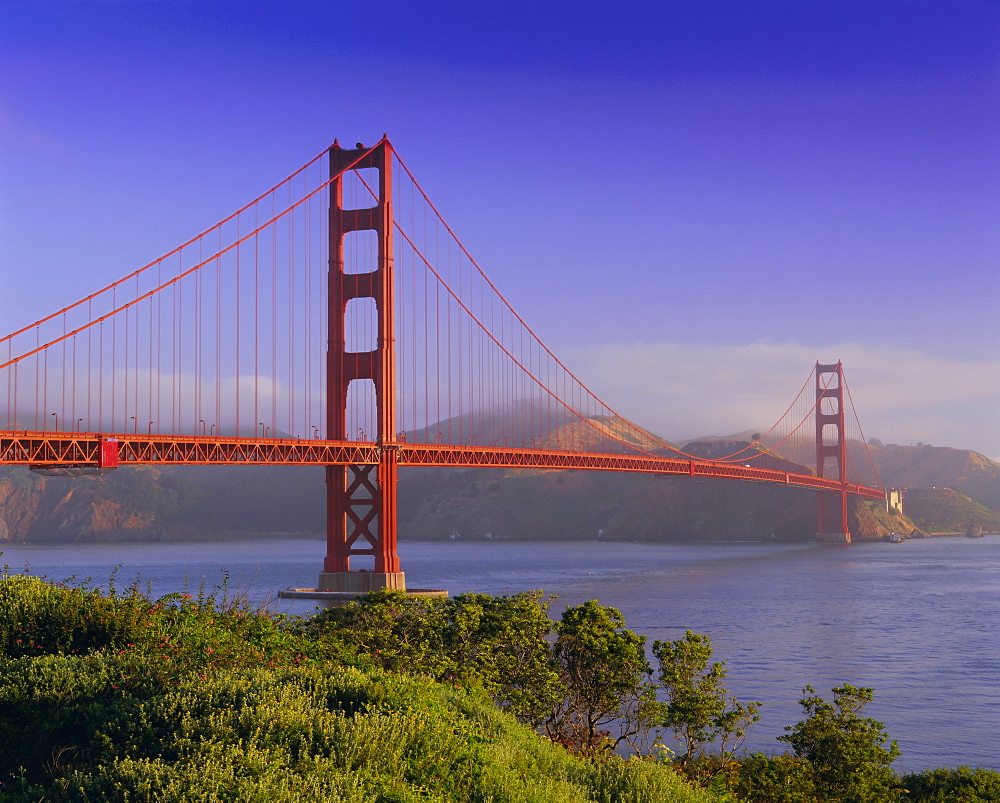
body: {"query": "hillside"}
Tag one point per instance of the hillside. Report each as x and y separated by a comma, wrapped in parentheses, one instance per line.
(150, 503)
(127, 698)
(134, 503)
(944, 510)
(970, 473)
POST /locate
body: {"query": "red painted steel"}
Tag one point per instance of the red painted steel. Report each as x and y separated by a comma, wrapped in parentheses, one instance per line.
(350, 488)
(107, 456)
(829, 395)
(35, 448)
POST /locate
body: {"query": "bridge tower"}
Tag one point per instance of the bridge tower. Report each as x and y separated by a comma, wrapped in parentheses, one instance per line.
(361, 499)
(831, 445)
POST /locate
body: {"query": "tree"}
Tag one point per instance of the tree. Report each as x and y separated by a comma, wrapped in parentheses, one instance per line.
(848, 753)
(500, 643)
(607, 694)
(699, 709)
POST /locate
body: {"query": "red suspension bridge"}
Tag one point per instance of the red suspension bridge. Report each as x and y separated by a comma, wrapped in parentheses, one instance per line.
(338, 320)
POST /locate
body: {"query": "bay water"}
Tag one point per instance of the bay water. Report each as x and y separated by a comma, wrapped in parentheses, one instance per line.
(919, 621)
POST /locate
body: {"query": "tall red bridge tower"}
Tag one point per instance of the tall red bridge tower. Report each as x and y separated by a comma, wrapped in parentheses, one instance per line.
(831, 445)
(361, 508)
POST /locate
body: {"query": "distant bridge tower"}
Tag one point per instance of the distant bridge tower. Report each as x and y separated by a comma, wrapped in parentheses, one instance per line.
(361, 508)
(831, 445)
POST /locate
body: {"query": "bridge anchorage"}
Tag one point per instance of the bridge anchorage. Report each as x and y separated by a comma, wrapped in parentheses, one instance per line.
(337, 321)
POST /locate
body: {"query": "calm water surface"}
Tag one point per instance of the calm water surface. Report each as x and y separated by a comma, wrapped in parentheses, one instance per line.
(917, 621)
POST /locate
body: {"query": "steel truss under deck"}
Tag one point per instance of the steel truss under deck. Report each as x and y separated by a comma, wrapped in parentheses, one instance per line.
(78, 450)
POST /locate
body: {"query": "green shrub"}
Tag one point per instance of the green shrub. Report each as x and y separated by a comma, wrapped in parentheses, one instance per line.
(774, 779)
(699, 708)
(611, 780)
(960, 785)
(40, 618)
(271, 734)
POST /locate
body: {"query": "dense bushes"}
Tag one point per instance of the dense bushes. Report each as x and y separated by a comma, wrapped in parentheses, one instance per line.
(584, 680)
(122, 698)
(960, 785)
(118, 697)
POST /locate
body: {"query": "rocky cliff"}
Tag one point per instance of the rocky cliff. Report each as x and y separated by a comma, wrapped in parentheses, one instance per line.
(125, 504)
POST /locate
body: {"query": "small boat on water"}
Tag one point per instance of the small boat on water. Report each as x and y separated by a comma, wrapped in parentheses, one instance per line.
(895, 538)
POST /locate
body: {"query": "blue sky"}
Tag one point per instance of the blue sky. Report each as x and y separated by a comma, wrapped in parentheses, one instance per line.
(689, 201)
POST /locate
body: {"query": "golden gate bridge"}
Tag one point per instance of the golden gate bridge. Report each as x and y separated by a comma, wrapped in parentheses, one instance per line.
(338, 320)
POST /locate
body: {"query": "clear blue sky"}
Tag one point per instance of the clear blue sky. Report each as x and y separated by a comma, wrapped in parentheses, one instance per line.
(691, 201)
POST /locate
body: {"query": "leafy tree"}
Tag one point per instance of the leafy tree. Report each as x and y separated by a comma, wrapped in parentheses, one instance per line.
(699, 709)
(500, 643)
(605, 675)
(848, 753)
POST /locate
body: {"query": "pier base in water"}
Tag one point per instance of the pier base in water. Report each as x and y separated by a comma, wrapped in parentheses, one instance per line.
(327, 599)
(362, 582)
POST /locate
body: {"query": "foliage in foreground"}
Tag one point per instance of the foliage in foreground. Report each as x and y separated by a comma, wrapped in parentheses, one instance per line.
(959, 785)
(119, 697)
(584, 681)
(122, 698)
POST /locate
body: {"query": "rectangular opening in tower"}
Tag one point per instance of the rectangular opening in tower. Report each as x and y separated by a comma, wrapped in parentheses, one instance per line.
(830, 435)
(360, 325)
(829, 405)
(362, 421)
(361, 251)
(361, 188)
(829, 380)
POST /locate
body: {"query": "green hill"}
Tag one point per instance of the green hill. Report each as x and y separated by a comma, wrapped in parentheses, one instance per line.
(946, 510)
(968, 472)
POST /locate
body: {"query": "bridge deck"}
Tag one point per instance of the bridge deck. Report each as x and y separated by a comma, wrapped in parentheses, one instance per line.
(43, 449)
